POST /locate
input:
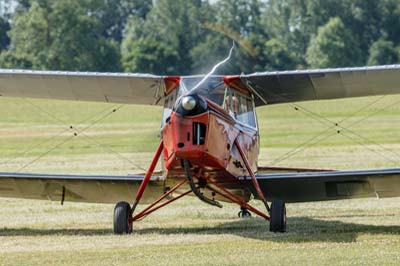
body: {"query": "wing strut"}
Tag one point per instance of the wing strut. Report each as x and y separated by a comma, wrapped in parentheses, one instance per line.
(253, 177)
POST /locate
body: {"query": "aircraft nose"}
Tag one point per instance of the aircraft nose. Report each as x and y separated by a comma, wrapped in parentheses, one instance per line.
(190, 105)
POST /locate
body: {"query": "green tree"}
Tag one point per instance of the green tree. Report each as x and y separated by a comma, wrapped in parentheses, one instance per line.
(294, 22)
(30, 37)
(365, 22)
(233, 20)
(22, 5)
(284, 21)
(278, 57)
(114, 14)
(145, 55)
(10, 59)
(175, 25)
(62, 35)
(334, 46)
(190, 36)
(390, 23)
(382, 52)
(77, 41)
(4, 28)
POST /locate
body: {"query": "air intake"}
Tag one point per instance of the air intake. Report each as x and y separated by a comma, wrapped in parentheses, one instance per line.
(199, 133)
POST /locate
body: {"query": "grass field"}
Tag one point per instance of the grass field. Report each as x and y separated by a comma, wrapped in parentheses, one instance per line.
(36, 136)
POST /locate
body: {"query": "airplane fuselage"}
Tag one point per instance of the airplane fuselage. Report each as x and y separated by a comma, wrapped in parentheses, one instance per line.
(207, 141)
(205, 136)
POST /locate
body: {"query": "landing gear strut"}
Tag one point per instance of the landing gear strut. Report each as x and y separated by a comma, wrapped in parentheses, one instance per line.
(277, 211)
(123, 211)
(277, 221)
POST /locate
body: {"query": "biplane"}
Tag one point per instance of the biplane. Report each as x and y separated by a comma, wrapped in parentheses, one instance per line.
(209, 143)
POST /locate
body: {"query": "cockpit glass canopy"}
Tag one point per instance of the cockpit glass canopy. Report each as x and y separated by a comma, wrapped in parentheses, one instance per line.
(237, 103)
(213, 88)
(240, 106)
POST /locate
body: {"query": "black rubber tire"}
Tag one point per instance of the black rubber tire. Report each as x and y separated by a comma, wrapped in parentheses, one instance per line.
(122, 213)
(244, 214)
(277, 221)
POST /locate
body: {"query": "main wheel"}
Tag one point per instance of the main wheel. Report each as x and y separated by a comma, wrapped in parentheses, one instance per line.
(277, 221)
(122, 214)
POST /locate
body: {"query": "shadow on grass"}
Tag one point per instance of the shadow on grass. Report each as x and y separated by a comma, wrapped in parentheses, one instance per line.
(50, 232)
(301, 229)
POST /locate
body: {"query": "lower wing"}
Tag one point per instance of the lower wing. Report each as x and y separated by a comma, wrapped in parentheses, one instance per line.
(78, 188)
(290, 187)
(330, 185)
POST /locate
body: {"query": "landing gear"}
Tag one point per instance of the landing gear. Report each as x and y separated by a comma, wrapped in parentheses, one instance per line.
(244, 213)
(123, 212)
(277, 221)
(195, 189)
(122, 216)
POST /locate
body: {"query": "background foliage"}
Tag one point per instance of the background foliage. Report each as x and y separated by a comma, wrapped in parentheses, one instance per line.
(189, 36)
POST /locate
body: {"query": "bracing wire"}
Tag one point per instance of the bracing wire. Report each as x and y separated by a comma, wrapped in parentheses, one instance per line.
(107, 148)
(342, 128)
(305, 145)
(367, 147)
(331, 125)
(68, 128)
(76, 131)
(44, 154)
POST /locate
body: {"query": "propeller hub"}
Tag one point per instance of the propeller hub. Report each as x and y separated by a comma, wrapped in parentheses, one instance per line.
(189, 103)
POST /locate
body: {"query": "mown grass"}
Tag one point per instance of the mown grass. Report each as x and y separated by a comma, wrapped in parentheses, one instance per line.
(348, 232)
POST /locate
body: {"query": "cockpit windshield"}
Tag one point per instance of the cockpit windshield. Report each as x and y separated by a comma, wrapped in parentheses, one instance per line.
(213, 89)
(239, 104)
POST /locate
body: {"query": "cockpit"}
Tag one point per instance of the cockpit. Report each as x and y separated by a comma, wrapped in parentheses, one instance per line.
(240, 106)
(237, 102)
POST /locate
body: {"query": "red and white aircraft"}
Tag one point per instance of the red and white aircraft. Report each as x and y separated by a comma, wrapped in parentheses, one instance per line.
(209, 143)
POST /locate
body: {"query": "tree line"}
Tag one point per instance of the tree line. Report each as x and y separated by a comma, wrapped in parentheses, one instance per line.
(181, 37)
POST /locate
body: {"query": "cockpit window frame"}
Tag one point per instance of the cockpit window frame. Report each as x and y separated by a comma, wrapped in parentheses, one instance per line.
(248, 98)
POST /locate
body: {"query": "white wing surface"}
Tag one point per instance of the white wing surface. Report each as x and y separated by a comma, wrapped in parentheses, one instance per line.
(320, 84)
(79, 86)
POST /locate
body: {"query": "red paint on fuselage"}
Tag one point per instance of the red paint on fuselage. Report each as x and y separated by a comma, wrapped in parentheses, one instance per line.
(217, 157)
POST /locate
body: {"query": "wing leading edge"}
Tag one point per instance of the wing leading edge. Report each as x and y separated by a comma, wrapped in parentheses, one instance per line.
(269, 87)
(321, 84)
(319, 186)
(81, 86)
(290, 187)
(78, 188)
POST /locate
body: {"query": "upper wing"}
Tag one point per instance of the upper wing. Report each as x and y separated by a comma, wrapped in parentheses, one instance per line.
(304, 85)
(316, 186)
(79, 188)
(81, 86)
